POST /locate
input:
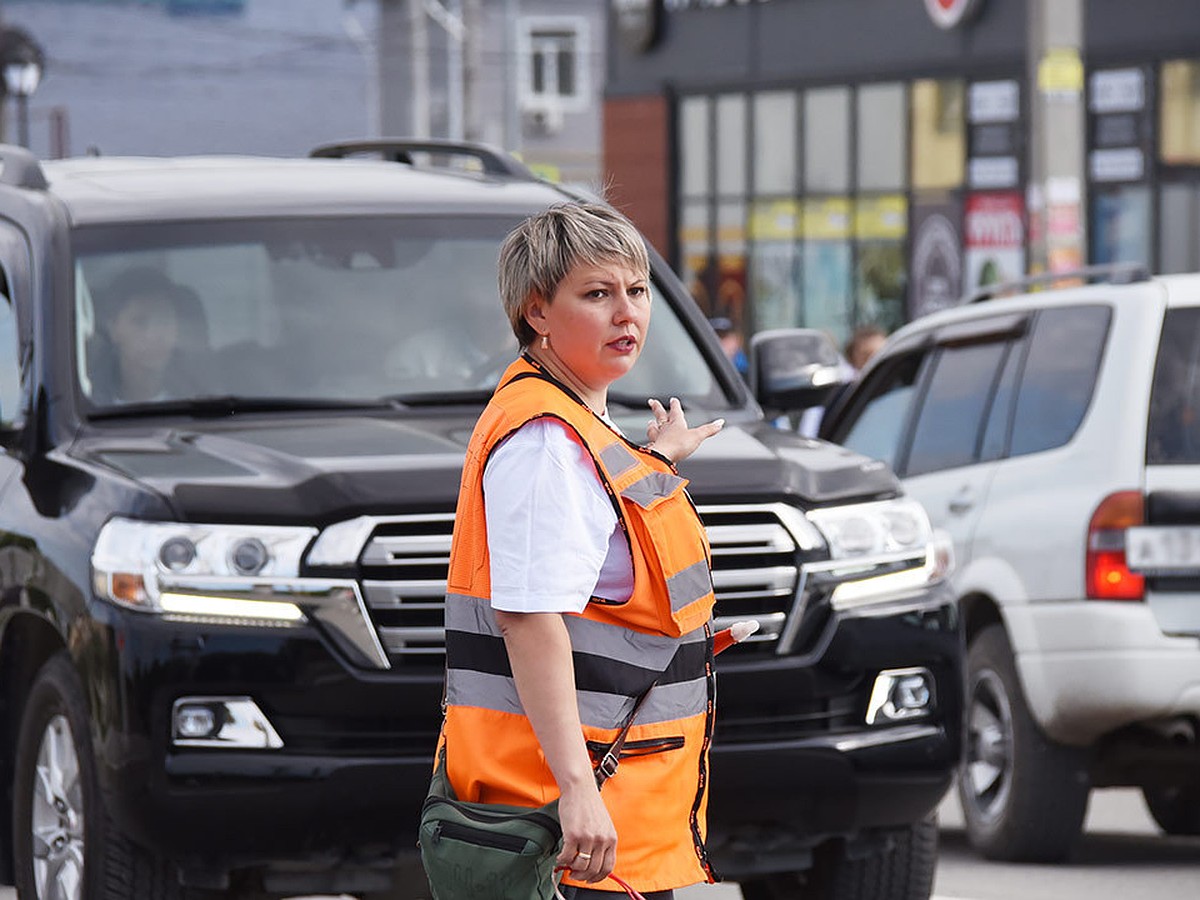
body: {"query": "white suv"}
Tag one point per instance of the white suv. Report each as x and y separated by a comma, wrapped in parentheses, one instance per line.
(1056, 435)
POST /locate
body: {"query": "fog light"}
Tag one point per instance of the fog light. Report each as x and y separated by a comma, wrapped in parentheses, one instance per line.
(901, 694)
(235, 723)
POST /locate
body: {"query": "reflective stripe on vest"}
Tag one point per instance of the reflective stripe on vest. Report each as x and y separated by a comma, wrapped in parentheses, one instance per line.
(613, 665)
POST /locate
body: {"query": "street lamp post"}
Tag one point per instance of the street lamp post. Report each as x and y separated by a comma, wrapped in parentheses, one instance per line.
(22, 61)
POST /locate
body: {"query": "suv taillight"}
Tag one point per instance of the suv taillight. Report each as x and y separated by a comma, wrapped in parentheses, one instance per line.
(1108, 576)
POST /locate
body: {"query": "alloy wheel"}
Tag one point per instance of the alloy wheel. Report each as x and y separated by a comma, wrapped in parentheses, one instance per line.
(57, 815)
(989, 758)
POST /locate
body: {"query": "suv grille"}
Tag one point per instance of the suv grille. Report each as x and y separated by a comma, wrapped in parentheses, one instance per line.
(402, 567)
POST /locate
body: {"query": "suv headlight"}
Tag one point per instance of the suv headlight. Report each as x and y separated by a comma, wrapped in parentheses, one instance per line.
(880, 552)
(221, 571)
(866, 530)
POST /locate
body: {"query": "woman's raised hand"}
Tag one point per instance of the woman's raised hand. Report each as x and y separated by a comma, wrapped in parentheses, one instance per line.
(669, 433)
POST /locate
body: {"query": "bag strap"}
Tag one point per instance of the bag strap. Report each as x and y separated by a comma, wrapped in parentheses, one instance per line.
(607, 766)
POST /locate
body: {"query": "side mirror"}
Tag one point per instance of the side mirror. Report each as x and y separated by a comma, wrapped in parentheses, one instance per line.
(794, 368)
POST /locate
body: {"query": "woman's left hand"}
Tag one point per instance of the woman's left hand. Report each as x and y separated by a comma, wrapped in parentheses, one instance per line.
(669, 433)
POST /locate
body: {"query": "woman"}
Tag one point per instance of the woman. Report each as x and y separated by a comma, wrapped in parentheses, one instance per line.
(579, 574)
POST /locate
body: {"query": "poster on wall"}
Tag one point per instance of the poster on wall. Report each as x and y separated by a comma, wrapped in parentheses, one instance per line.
(935, 280)
(994, 236)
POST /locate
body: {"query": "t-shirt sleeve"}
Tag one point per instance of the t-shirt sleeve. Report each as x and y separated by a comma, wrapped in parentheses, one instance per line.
(548, 518)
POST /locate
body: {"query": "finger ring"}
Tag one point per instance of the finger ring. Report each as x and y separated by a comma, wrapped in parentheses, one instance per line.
(583, 856)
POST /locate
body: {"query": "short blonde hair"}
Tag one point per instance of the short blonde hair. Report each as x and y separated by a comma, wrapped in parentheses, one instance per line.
(537, 254)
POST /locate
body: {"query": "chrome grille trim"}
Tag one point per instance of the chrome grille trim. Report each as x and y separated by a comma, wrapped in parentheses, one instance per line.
(755, 564)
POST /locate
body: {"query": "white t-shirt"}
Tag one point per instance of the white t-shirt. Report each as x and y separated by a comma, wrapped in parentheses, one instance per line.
(552, 531)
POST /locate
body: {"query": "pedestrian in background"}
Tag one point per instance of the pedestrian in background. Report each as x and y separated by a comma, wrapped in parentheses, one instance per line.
(864, 343)
(578, 574)
(731, 343)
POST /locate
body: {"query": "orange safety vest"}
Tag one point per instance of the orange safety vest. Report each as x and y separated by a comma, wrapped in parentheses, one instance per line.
(658, 796)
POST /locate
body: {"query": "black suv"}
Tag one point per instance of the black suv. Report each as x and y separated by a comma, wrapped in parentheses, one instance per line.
(221, 603)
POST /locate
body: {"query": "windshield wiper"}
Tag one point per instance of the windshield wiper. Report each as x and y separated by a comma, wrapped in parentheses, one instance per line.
(438, 398)
(229, 404)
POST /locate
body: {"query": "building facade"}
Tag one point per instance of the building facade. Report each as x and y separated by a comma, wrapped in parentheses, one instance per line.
(278, 77)
(833, 163)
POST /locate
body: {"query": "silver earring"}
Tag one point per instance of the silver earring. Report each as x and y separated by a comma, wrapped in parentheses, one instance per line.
(545, 342)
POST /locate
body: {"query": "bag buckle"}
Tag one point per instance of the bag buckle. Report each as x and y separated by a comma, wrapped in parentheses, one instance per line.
(607, 767)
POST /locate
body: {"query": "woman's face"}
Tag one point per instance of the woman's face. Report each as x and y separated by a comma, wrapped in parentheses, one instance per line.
(596, 322)
(145, 332)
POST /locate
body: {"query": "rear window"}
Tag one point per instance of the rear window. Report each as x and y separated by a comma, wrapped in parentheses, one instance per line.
(1173, 431)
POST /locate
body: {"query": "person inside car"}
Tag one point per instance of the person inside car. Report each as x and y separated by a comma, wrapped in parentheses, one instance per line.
(137, 336)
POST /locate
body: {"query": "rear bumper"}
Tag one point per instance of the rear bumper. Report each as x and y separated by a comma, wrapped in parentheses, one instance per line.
(1091, 667)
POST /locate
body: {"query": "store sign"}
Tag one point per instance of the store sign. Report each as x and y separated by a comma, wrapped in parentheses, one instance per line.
(989, 172)
(1118, 91)
(994, 235)
(639, 22)
(994, 101)
(949, 14)
(1121, 126)
(1123, 164)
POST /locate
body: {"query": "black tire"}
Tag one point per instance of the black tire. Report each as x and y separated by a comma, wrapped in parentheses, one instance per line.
(901, 870)
(1175, 809)
(56, 794)
(1024, 797)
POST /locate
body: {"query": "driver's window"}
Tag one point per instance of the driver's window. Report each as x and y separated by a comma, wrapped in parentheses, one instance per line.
(876, 425)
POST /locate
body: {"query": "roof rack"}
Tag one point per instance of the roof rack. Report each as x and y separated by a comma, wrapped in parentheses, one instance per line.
(20, 168)
(493, 160)
(1110, 273)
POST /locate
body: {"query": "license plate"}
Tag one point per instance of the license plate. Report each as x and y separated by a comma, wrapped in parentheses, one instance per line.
(1166, 549)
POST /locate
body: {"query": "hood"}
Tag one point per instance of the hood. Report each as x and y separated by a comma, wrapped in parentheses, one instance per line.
(320, 469)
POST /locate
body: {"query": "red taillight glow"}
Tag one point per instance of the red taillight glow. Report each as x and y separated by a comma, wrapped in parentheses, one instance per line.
(1108, 576)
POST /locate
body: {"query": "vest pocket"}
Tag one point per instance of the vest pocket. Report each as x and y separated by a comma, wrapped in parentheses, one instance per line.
(632, 749)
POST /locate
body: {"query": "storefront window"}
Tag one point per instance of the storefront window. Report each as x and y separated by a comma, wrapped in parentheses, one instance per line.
(938, 134)
(730, 300)
(880, 118)
(694, 179)
(1179, 223)
(826, 265)
(731, 145)
(1179, 123)
(880, 225)
(697, 269)
(775, 263)
(775, 131)
(1121, 225)
(827, 141)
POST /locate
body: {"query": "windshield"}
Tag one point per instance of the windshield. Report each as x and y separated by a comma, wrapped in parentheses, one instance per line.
(328, 310)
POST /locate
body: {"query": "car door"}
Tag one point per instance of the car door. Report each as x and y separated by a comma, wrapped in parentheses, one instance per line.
(938, 415)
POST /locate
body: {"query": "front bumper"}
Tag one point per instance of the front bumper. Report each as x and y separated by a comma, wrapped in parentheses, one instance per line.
(343, 792)
(776, 796)
(792, 758)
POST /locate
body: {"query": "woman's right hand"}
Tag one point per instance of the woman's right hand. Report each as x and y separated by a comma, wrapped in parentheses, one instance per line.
(589, 836)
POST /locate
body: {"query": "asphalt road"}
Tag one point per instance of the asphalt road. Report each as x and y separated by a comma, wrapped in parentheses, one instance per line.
(1121, 856)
